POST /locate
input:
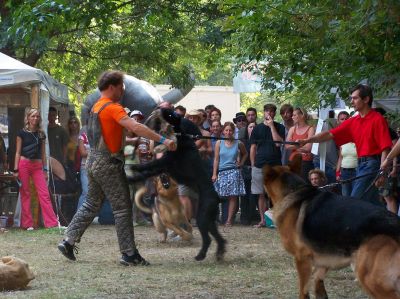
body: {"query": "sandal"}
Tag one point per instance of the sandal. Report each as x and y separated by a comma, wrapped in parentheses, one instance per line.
(228, 224)
(259, 225)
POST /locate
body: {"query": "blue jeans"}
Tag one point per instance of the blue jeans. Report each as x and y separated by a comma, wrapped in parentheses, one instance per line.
(361, 185)
(84, 184)
(345, 174)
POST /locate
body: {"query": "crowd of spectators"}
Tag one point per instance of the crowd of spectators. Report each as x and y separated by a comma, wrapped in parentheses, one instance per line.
(235, 152)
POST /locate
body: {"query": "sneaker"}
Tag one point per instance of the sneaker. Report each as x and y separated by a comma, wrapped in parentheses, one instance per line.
(177, 238)
(30, 228)
(68, 250)
(171, 233)
(133, 260)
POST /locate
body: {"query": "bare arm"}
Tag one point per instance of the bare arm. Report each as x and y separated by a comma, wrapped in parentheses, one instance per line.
(82, 148)
(216, 161)
(274, 131)
(43, 151)
(320, 137)
(393, 153)
(17, 154)
(243, 154)
(289, 138)
(143, 131)
(253, 150)
(307, 147)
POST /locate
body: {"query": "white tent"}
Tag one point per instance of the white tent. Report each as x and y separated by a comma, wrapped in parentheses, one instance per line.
(23, 86)
(17, 75)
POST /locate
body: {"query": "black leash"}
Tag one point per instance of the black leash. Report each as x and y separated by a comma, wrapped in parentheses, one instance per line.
(224, 138)
(341, 182)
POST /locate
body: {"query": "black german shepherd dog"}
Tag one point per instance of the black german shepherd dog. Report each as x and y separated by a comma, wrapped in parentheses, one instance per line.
(186, 167)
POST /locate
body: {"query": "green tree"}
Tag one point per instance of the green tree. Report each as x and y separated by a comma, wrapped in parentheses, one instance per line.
(309, 47)
(75, 40)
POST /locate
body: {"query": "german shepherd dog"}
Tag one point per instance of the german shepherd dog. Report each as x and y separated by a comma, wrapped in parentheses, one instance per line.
(167, 211)
(325, 231)
(186, 167)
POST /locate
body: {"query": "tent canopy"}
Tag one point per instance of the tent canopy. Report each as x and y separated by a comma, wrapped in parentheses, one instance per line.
(15, 74)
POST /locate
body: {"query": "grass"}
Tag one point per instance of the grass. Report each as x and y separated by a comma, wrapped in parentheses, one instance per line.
(256, 266)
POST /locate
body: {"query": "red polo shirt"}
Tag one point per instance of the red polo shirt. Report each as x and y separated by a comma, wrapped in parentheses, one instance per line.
(369, 133)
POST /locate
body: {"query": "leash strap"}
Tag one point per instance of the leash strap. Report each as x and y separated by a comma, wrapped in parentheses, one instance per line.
(341, 182)
(224, 138)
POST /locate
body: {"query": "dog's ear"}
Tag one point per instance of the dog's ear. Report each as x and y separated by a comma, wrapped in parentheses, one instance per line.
(269, 172)
(171, 117)
(295, 164)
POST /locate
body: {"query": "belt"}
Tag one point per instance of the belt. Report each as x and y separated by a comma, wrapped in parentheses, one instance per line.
(368, 158)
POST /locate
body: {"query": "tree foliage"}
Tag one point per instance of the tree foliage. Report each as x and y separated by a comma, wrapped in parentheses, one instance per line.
(75, 40)
(311, 47)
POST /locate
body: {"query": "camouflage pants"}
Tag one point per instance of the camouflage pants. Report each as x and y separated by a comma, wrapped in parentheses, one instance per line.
(107, 178)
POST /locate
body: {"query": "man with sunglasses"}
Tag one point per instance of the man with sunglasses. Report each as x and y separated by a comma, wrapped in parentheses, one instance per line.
(370, 133)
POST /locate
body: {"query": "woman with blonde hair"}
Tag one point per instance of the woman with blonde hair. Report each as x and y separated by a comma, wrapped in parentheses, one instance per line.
(30, 162)
(301, 130)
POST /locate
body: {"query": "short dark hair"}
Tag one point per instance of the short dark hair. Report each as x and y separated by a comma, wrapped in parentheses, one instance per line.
(365, 91)
(380, 110)
(110, 78)
(208, 107)
(270, 107)
(286, 107)
(251, 109)
(343, 112)
(215, 109)
(181, 108)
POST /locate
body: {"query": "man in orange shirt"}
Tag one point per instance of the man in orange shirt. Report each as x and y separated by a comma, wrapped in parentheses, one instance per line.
(105, 167)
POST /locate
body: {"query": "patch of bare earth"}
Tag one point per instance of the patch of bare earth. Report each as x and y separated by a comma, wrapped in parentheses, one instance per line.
(256, 266)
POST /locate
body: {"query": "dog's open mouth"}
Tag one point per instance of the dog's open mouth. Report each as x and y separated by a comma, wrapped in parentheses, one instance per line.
(164, 178)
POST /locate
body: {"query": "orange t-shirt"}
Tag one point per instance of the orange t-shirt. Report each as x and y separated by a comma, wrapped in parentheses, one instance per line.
(109, 117)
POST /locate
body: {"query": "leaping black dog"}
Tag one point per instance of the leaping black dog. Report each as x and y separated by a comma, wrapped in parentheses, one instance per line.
(186, 167)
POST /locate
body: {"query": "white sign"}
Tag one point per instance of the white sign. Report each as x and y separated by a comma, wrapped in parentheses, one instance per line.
(6, 80)
(314, 148)
(246, 81)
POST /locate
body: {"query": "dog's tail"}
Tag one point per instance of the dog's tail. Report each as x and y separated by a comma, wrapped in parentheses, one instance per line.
(139, 201)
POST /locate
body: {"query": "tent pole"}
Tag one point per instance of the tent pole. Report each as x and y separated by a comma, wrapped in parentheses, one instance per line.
(35, 96)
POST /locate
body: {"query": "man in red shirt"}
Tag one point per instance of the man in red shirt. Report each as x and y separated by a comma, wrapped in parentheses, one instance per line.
(105, 170)
(370, 133)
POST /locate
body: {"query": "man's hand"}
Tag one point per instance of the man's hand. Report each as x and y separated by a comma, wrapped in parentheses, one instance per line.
(170, 144)
(269, 121)
(386, 163)
(302, 142)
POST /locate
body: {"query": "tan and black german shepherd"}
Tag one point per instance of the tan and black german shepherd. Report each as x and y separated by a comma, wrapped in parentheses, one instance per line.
(167, 211)
(326, 231)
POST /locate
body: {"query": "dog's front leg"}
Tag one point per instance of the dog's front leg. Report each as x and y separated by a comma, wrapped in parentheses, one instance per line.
(320, 291)
(304, 270)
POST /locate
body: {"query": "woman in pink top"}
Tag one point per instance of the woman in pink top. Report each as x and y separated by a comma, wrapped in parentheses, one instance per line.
(301, 130)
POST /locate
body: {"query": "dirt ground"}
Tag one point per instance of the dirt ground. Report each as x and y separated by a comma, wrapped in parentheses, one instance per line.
(256, 266)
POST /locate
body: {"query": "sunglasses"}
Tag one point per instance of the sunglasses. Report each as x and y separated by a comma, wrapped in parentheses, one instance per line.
(239, 120)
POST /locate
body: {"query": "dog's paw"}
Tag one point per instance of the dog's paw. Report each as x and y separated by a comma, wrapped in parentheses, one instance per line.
(201, 256)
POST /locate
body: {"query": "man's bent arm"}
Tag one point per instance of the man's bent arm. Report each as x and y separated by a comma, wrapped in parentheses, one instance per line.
(139, 129)
(320, 137)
